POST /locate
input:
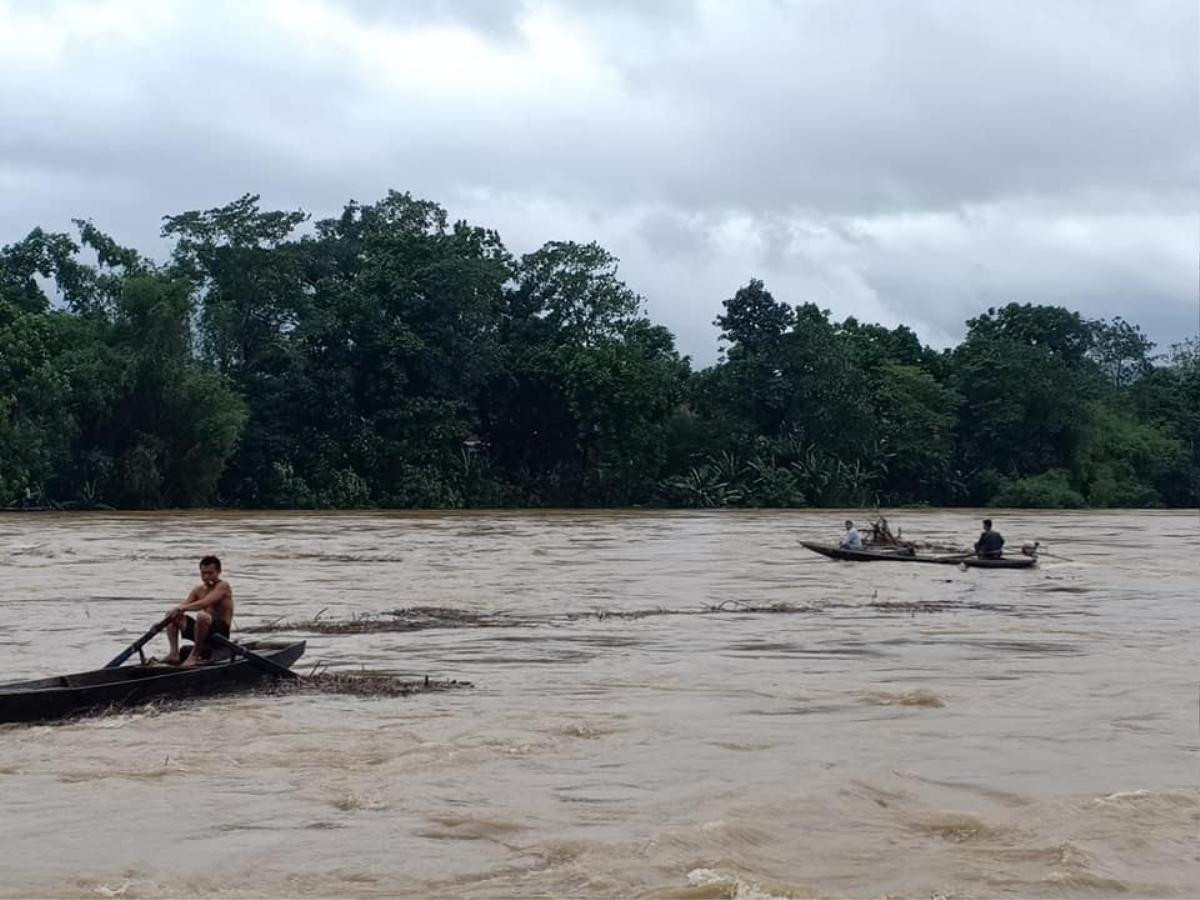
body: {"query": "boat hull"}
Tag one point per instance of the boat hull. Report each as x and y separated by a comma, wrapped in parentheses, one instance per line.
(1022, 562)
(67, 695)
(1015, 562)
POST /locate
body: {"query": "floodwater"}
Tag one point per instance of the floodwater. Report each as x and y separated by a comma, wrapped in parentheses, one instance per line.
(1034, 735)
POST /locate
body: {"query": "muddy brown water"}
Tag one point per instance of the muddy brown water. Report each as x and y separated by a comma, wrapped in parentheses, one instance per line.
(1037, 735)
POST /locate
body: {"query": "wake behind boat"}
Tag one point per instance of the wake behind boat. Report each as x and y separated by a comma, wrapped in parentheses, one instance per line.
(66, 695)
(901, 554)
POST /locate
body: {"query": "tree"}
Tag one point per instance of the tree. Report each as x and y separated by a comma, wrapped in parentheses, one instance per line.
(387, 356)
(248, 283)
(36, 425)
(1121, 351)
(579, 408)
(622, 393)
(176, 422)
(1024, 378)
(397, 340)
(1169, 398)
(916, 420)
(1123, 462)
(1059, 332)
(787, 417)
(574, 291)
(754, 321)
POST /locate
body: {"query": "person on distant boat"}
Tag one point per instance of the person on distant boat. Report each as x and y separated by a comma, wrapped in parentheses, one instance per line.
(851, 539)
(212, 602)
(990, 544)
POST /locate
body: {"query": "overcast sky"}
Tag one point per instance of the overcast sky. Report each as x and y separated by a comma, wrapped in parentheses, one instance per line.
(903, 161)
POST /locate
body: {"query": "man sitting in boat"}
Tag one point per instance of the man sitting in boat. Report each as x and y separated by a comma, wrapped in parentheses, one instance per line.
(990, 544)
(850, 540)
(212, 602)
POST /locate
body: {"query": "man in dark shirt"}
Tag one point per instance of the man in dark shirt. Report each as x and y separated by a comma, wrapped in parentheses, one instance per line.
(990, 545)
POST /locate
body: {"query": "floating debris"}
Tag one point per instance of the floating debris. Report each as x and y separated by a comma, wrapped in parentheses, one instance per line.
(601, 614)
(725, 606)
(420, 618)
(881, 536)
(915, 605)
(917, 697)
(364, 684)
(932, 606)
(413, 618)
(741, 606)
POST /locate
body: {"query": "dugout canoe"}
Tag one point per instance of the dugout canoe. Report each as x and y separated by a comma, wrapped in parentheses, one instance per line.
(1014, 562)
(67, 695)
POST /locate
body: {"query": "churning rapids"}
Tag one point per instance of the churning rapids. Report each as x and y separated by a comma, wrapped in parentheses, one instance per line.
(1031, 733)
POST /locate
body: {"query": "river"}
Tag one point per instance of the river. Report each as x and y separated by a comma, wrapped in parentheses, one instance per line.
(1033, 734)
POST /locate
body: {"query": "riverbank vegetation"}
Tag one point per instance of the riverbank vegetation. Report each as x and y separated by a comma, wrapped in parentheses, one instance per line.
(391, 358)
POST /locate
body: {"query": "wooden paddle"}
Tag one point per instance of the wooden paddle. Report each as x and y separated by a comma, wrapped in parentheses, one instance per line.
(958, 557)
(259, 662)
(137, 645)
(1038, 551)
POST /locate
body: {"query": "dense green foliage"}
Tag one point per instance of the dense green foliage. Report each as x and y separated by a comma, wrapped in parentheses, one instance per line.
(388, 357)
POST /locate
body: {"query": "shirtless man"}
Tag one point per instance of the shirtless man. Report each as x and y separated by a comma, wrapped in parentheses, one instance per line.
(212, 602)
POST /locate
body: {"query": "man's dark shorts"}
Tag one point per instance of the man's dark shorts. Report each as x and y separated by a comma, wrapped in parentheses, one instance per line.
(189, 628)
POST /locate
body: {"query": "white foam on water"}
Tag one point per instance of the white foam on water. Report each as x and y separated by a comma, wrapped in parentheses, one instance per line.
(732, 886)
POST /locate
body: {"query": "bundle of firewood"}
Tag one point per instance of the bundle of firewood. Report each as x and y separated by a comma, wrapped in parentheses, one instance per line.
(881, 536)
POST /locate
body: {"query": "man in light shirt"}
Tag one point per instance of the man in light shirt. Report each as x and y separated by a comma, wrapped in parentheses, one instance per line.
(851, 540)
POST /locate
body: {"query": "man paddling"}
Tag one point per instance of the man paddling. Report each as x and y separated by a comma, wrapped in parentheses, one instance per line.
(990, 545)
(212, 602)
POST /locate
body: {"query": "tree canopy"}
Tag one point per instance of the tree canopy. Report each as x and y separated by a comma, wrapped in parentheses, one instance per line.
(388, 357)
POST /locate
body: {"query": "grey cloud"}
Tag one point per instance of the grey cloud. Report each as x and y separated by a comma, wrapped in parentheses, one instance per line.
(829, 109)
(672, 235)
(804, 143)
(868, 107)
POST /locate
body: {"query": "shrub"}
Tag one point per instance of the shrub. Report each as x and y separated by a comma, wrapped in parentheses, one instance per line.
(1050, 490)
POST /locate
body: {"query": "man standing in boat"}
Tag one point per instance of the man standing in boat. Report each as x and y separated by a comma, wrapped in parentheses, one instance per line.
(990, 544)
(212, 602)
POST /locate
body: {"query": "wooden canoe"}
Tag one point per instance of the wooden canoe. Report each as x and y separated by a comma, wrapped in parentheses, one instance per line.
(1016, 562)
(66, 695)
